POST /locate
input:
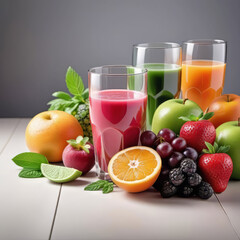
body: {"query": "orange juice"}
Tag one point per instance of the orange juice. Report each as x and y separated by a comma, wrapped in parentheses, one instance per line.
(202, 81)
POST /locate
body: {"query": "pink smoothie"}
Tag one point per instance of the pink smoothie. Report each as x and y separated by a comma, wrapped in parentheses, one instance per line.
(117, 119)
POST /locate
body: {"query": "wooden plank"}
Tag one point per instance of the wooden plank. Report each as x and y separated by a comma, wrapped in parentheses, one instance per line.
(27, 206)
(121, 215)
(7, 126)
(230, 201)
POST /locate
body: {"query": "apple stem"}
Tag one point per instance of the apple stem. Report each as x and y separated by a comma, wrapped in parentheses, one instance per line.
(185, 100)
(206, 110)
(228, 100)
(239, 121)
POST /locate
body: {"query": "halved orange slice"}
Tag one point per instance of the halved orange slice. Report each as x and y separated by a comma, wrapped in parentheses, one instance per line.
(135, 169)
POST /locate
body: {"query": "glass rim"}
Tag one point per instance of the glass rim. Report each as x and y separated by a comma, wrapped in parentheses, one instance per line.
(159, 45)
(206, 42)
(142, 70)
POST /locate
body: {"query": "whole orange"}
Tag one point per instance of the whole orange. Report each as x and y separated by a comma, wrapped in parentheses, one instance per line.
(226, 108)
(48, 132)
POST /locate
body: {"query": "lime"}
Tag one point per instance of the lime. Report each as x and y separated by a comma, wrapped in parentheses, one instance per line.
(59, 174)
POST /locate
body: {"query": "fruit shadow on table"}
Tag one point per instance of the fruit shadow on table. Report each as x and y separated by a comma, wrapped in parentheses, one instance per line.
(152, 196)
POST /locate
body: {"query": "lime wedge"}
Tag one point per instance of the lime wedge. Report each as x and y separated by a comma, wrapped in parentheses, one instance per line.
(59, 174)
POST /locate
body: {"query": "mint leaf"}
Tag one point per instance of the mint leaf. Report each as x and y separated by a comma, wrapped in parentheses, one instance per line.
(96, 185)
(30, 173)
(71, 108)
(62, 95)
(107, 188)
(30, 160)
(74, 82)
(85, 94)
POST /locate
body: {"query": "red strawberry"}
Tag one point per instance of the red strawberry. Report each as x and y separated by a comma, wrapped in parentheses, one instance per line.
(198, 130)
(216, 166)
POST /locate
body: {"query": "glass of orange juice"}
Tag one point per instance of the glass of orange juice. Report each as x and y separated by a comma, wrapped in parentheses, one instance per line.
(203, 70)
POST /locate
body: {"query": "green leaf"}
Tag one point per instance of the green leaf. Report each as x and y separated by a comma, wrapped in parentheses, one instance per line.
(30, 160)
(84, 140)
(201, 115)
(186, 119)
(74, 82)
(223, 149)
(85, 94)
(96, 185)
(71, 108)
(107, 188)
(30, 173)
(193, 117)
(207, 116)
(62, 95)
(215, 145)
(210, 147)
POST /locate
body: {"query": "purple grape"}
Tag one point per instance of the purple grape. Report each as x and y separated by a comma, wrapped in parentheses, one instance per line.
(148, 138)
(190, 153)
(175, 159)
(179, 144)
(167, 134)
(164, 149)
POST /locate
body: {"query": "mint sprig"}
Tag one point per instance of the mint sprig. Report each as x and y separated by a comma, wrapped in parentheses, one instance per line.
(29, 173)
(215, 148)
(31, 163)
(105, 185)
(197, 118)
(66, 102)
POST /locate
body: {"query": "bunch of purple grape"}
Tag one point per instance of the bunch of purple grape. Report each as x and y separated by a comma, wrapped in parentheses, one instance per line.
(179, 167)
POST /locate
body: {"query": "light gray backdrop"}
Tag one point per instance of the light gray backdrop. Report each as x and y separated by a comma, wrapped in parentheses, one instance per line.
(40, 39)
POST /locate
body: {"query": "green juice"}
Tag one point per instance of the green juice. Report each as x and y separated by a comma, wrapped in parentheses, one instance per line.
(164, 83)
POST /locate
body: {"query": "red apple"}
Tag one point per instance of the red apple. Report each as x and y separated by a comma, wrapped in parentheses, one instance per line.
(79, 154)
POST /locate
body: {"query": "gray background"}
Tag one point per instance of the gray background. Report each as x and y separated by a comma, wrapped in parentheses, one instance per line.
(40, 39)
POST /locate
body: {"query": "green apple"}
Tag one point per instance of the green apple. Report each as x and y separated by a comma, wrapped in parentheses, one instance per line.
(229, 134)
(168, 113)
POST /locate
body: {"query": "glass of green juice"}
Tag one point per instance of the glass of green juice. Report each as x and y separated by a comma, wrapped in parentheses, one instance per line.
(163, 62)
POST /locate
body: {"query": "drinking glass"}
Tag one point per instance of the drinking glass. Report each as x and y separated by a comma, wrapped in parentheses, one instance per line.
(118, 99)
(163, 62)
(203, 70)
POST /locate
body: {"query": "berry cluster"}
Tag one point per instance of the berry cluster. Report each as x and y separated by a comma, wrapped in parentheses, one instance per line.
(179, 171)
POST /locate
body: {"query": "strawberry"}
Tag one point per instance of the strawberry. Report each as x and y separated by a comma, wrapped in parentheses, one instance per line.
(216, 166)
(198, 130)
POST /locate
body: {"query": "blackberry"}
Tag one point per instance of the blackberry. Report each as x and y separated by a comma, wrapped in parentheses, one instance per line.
(194, 179)
(188, 166)
(176, 176)
(185, 191)
(162, 177)
(204, 190)
(168, 189)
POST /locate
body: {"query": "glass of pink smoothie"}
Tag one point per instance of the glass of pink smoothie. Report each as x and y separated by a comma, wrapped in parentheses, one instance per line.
(118, 99)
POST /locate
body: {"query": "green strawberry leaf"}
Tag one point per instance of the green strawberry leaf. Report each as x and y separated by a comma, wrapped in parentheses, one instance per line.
(186, 119)
(30, 173)
(62, 95)
(74, 82)
(210, 148)
(30, 160)
(207, 116)
(223, 149)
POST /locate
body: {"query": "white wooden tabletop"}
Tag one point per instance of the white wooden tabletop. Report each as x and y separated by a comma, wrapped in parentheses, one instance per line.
(39, 209)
